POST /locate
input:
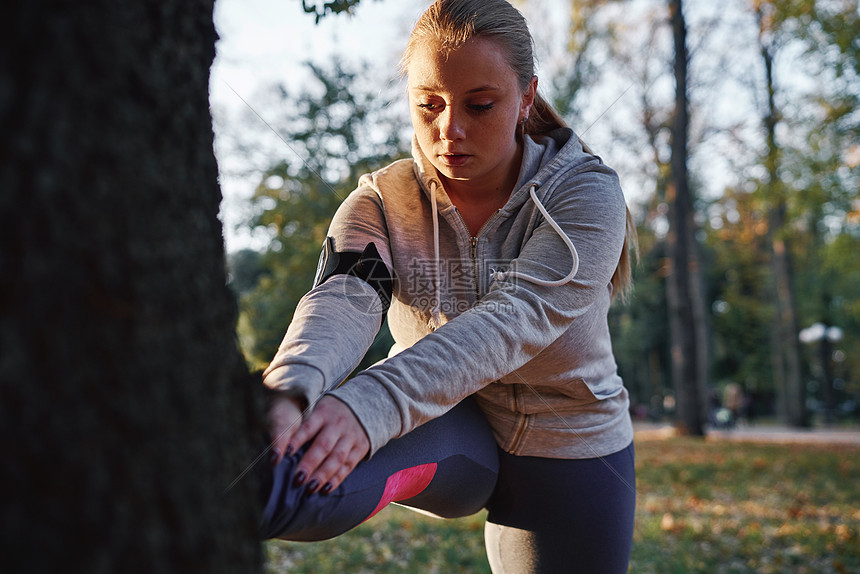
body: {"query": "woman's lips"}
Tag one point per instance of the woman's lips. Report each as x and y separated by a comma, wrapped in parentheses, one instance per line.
(454, 159)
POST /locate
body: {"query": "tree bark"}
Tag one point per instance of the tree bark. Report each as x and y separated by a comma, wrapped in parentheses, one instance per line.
(126, 408)
(701, 323)
(680, 291)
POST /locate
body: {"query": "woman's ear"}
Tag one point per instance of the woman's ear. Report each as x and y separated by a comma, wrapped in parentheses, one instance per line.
(528, 98)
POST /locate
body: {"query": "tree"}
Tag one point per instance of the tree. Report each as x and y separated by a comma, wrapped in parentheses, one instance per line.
(785, 346)
(743, 310)
(321, 9)
(127, 412)
(336, 130)
(818, 170)
(810, 182)
(680, 289)
(587, 33)
(640, 337)
(643, 134)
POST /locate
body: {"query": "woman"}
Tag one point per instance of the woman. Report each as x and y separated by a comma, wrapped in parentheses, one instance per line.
(499, 246)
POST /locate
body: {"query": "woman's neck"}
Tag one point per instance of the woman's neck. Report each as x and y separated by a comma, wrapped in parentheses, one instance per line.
(477, 200)
(476, 204)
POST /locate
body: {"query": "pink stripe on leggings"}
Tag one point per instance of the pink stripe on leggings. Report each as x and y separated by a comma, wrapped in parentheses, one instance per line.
(405, 484)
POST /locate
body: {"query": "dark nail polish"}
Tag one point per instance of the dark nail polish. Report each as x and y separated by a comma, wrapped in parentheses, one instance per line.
(300, 478)
(326, 489)
(312, 486)
(289, 450)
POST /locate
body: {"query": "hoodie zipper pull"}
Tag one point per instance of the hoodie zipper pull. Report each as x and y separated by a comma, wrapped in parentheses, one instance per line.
(477, 280)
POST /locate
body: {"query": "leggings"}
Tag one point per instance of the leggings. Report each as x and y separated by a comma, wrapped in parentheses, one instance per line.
(446, 467)
(559, 515)
(545, 515)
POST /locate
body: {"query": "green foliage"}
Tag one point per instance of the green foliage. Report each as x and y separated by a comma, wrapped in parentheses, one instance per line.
(702, 507)
(339, 130)
(322, 9)
(818, 179)
(839, 265)
(640, 333)
(244, 270)
(820, 166)
(582, 67)
(741, 314)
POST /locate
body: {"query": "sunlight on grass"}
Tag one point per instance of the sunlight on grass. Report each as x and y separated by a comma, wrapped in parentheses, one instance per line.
(731, 508)
(396, 540)
(703, 507)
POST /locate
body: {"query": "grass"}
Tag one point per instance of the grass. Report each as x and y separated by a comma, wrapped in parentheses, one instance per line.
(703, 507)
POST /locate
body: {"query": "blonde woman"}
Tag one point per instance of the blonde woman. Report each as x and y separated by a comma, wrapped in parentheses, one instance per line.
(494, 252)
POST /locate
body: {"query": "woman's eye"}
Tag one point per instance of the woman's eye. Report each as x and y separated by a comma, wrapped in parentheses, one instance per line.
(481, 107)
(429, 107)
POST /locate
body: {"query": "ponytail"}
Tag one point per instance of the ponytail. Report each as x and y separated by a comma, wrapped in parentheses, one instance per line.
(543, 118)
(622, 279)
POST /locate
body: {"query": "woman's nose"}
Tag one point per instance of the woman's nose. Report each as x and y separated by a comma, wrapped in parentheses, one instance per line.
(451, 126)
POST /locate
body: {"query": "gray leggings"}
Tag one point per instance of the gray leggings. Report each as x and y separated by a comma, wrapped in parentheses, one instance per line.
(567, 516)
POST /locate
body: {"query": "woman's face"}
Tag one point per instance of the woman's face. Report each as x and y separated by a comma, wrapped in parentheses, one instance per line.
(465, 108)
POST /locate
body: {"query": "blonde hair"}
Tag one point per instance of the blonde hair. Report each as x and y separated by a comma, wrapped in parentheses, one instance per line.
(452, 23)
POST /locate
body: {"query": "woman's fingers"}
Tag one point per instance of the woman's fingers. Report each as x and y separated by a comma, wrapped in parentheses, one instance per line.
(340, 470)
(339, 444)
(285, 418)
(311, 426)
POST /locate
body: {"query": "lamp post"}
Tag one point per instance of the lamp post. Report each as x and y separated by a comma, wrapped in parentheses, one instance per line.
(826, 335)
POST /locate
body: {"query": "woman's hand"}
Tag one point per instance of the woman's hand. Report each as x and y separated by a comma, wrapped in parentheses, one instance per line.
(339, 443)
(285, 417)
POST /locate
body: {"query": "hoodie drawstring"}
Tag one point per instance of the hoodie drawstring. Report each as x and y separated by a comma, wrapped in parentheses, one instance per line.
(499, 275)
(435, 321)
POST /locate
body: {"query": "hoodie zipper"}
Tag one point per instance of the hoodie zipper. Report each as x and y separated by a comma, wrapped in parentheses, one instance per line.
(473, 254)
(473, 250)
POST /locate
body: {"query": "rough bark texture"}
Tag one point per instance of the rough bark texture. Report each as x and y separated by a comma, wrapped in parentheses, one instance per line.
(126, 409)
(680, 290)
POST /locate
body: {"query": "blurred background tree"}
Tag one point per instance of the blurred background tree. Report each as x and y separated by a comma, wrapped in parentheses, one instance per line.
(336, 129)
(815, 165)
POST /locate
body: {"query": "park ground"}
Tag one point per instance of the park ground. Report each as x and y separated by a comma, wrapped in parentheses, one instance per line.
(761, 499)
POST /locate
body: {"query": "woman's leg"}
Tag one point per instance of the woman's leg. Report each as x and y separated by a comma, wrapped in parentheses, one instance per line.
(447, 466)
(556, 515)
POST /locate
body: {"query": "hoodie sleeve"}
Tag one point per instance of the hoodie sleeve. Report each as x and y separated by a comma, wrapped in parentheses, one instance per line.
(336, 322)
(512, 324)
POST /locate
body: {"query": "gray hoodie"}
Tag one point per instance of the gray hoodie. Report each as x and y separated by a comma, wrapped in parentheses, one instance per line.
(496, 315)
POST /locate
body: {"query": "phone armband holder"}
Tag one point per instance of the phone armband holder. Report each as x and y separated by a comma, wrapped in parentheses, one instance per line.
(366, 265)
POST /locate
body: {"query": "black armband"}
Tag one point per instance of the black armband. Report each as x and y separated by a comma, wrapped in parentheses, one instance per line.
(366, 265)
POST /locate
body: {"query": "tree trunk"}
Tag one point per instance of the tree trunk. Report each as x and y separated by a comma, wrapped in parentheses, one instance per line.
(699, 298)
(126, 408)
(685, 370)
(785, 355)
